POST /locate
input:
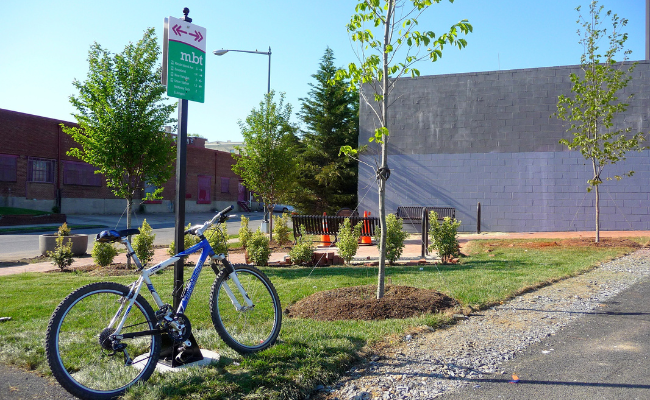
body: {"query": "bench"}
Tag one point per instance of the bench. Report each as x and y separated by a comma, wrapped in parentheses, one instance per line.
(413, 217)
(329, 225)
(415, 213)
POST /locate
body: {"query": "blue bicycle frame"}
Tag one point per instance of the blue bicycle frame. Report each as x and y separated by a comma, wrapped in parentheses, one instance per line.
(206, 251)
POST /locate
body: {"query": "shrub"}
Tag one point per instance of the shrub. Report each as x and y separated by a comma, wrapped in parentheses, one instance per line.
(348, 239)
(143, 243)
(444, 237)
(281, 229)
(62, 254)
(244, 232)
(188, 241)
(258, 248)
(395, 237)
(64, 230)
(103, 253)
(217, 235)
(303, 251)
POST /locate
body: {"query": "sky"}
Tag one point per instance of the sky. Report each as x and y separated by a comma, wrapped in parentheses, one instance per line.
(45, 44)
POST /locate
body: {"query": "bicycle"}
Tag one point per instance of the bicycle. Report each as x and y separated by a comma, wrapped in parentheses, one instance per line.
(104, 337)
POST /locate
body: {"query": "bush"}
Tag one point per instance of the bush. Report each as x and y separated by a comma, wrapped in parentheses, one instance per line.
(244, 232)
(258, 248)
(188, 240)
(62, 254)
(143, 243)
(444, 237)
(64, 230)
(348, 239)
(395, 237)
(303, 251)
(281, 229)
(103, 253)
(217, 236)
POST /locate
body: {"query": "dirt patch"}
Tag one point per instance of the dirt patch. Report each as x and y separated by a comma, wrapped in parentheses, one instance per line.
(580, 242)
(117, 269)
(359, 302)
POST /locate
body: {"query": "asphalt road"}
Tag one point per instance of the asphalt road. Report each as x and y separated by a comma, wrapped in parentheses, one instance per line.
(15, 247)
(604, 355)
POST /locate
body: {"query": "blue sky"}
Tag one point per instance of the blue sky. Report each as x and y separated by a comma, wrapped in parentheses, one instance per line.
(45, 45)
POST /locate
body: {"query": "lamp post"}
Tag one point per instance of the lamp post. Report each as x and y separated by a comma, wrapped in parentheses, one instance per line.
(268, 90)
(266, 53)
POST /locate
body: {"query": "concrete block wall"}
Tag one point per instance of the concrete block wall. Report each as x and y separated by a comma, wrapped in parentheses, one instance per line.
(457, 140)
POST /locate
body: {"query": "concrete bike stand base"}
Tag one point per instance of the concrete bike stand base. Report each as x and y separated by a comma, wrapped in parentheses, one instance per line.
(209, 357)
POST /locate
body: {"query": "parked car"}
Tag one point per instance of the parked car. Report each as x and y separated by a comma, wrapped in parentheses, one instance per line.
(283, 208)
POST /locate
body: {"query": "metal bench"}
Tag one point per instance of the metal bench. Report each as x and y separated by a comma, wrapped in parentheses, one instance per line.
(329, 225)
(417, 218)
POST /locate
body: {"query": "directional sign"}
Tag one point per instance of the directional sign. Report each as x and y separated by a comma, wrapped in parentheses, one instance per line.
(184, 59)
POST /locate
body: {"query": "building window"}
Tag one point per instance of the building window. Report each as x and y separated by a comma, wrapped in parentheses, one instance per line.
(225, 185)
(8, 168)
(41, 170)
(79, 173)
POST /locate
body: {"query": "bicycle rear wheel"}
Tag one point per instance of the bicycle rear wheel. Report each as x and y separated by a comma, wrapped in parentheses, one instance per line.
(250, 329)
(73, 346)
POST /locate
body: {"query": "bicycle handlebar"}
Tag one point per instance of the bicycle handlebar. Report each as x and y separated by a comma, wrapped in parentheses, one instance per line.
(221, 217)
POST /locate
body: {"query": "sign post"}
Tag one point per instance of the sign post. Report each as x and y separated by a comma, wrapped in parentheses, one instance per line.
(184, 74)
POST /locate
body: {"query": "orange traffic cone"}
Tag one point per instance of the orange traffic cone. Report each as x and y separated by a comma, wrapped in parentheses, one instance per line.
(366, 228)
(325, 238)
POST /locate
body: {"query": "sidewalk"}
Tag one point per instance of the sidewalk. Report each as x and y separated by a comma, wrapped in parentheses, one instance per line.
(366, 253)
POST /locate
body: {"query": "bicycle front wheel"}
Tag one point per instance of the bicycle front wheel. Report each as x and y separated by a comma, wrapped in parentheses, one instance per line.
(250, 328)
(79, 325)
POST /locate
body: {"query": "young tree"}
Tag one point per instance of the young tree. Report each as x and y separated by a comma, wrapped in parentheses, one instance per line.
(594, 101)
(121, 115)
(330, 113)
(267, 162)
(385, 31)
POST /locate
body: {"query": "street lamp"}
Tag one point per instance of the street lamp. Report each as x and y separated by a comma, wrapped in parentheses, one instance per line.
(268, 90)
(222, 52)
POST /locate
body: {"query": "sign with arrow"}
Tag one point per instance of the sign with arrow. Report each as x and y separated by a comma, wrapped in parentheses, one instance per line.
(184, 60)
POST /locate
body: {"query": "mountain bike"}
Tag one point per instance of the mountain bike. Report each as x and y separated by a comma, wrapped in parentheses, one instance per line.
(104, 337)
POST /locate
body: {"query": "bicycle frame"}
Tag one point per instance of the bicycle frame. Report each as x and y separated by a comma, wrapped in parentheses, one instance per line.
(206, 250)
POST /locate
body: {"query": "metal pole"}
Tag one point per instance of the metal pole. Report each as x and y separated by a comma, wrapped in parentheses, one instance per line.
(181, 160)
(268, 90)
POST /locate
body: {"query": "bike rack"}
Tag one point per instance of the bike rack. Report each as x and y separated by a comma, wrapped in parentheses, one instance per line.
(173, 355)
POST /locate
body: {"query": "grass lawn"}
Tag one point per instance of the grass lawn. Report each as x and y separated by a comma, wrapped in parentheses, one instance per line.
(21, 211)
(309, 352)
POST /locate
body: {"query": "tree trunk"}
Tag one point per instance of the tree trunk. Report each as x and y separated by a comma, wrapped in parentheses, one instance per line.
(384, 154)
(597, 214)
(129, 206)
(270, 210)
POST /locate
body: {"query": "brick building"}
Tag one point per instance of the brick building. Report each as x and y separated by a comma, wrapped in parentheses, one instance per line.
(36, 173)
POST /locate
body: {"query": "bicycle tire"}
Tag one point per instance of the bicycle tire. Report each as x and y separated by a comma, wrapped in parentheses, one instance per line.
(252, 330)
(73, 349)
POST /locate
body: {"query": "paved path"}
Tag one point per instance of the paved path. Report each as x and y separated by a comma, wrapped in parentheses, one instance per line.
(604, 355)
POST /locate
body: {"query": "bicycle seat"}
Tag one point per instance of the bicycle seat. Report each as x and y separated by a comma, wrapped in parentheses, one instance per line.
(114, 236)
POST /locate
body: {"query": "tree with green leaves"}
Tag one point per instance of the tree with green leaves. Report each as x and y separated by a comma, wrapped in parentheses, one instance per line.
(267, 162)
(594, 102)
(327, 182)
(121, 113)
(386, 31)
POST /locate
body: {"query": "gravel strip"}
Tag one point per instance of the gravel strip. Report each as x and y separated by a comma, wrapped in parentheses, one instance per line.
(427, 365)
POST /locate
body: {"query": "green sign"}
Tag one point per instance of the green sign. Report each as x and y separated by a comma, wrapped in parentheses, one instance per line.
(184, 60)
